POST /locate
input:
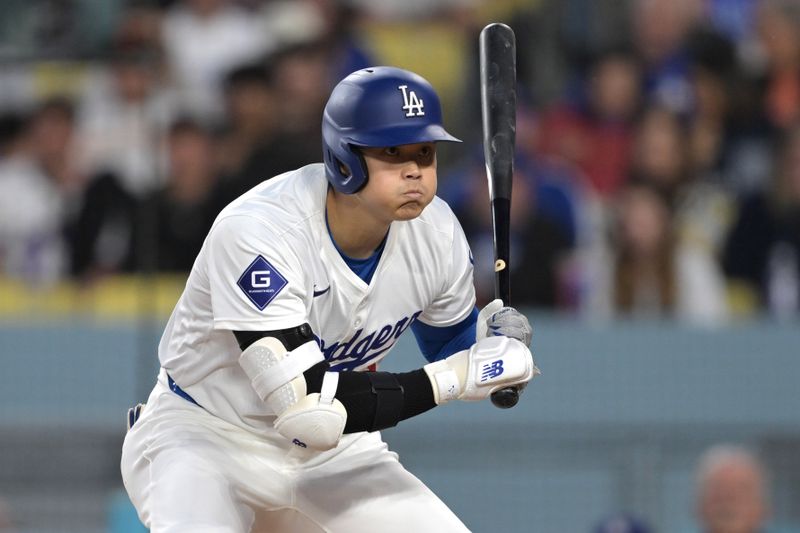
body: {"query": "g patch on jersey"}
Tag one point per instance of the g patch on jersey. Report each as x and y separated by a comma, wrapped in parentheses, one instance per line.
(261, 282)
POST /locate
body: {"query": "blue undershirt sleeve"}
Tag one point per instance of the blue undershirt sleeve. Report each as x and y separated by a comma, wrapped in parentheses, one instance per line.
(437, 343)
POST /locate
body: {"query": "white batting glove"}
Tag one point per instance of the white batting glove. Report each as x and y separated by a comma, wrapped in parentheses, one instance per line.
(494, 319)
(490, 364)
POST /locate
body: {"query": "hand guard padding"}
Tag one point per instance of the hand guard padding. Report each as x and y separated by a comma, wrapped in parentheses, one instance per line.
(311, 423)
(490, 364)
(494, 319)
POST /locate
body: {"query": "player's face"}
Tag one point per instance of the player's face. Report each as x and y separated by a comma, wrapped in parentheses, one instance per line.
(402, 180)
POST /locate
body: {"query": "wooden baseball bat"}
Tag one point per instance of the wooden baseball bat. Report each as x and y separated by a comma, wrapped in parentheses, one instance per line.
(498, 110)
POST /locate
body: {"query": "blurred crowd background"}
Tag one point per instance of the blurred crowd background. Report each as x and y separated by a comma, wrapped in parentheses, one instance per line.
(658, 164)
(657, 173)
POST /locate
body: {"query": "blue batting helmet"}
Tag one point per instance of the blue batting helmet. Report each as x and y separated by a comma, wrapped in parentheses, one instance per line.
(375, 107)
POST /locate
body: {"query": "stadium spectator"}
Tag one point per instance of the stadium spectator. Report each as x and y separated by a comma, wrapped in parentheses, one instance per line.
(299, 22)
(302, 76)
(139, 22)
(296, 81)
(116, 232)
(762, 252)
(53, 140)
(177, 217)
(203, 40)
(704, 207)
(714, 83)
(251, 117)
(101, 234)
(660, 30)
(732, 494)
(762, 91)
(647, 272)
(660, 154)
(595, 133)
(123, 116)
(349, 51)
(664, 157)
(38, 184)
(779, 30)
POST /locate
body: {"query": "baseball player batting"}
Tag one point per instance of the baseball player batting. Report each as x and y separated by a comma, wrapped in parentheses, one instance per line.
(267, 411)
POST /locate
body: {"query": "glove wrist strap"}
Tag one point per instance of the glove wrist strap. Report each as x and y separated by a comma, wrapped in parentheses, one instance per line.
(444, 381)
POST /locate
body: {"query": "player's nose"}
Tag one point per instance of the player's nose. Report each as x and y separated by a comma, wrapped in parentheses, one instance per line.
(412, 170)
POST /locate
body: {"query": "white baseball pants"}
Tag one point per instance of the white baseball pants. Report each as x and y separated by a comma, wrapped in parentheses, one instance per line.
(187, 471)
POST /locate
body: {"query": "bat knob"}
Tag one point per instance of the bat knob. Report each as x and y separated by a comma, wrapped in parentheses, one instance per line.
(505, 398)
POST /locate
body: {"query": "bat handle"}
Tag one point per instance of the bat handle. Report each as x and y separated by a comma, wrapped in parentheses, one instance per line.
(507, 397)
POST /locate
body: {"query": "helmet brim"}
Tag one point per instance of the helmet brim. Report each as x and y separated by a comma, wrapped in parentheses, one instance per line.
(400, 135)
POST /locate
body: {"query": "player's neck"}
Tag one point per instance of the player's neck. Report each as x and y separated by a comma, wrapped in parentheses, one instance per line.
(354, 230)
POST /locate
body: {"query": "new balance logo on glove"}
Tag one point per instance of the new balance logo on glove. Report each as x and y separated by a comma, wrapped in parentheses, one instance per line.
(491, 370)
(473, 374)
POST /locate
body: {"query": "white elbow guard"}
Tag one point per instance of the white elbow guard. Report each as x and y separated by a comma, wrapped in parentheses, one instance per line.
(276, 373)
(308, 420)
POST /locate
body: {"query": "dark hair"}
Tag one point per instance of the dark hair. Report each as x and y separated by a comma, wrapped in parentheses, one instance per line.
(12, 127)
(59, 105)
(626, 273)
(712, 52)
(187, 125)
(247, 74)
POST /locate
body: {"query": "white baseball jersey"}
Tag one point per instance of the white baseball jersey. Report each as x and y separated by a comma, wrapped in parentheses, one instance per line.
(269, 263)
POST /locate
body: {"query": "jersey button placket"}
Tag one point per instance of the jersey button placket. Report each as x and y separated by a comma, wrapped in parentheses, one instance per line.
(359, 315)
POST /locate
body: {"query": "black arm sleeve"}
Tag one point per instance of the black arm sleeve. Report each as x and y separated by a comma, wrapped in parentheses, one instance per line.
(369, 407)
(357, 394)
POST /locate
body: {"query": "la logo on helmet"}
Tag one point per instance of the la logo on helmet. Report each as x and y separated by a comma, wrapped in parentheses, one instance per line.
(412, 105)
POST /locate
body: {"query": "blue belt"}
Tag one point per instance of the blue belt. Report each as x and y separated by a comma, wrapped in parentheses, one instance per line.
(179, 391)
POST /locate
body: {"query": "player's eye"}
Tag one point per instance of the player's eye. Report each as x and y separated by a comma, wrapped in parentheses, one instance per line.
(392, 151)
(426, 153)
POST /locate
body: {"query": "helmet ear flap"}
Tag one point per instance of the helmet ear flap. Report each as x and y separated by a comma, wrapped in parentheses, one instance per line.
(344, 170)
(363, 162)
(354, 170)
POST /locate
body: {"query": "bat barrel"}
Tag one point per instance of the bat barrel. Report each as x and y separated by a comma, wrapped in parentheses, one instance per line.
(499, 101)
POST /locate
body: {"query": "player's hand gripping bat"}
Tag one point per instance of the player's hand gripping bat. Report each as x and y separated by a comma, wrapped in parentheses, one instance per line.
(498, 109)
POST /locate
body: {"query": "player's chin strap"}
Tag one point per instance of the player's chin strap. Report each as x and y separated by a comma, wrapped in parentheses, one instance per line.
(314, 420)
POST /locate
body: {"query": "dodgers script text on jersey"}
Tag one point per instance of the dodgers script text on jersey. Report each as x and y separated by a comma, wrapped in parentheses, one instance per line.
(361, 349)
